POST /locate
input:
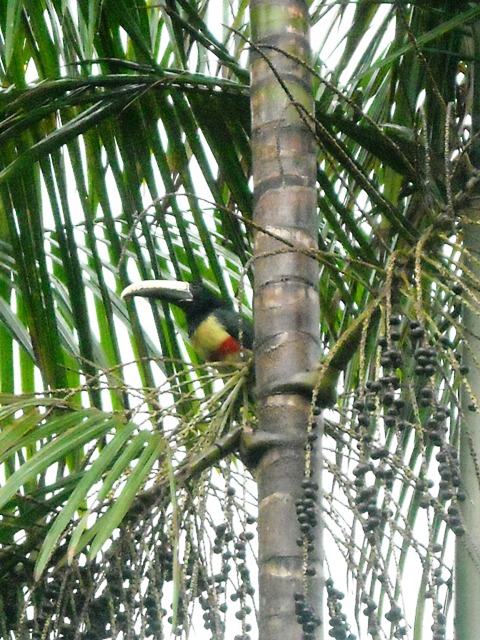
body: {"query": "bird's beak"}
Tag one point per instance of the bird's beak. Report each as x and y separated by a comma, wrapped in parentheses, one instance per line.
(167, 290)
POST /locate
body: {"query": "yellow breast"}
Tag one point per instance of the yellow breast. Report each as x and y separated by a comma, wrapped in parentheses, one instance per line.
(208, 337)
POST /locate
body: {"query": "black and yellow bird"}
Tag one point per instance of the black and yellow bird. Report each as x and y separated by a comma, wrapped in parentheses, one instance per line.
(218, 333)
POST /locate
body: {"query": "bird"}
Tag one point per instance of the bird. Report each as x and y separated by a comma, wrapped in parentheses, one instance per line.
(218, 333)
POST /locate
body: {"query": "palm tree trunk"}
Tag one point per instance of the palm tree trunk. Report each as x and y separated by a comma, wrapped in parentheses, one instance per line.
(286, 319)
(467, 548)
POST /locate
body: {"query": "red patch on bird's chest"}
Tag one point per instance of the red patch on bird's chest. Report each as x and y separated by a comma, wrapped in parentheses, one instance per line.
(229, 347)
